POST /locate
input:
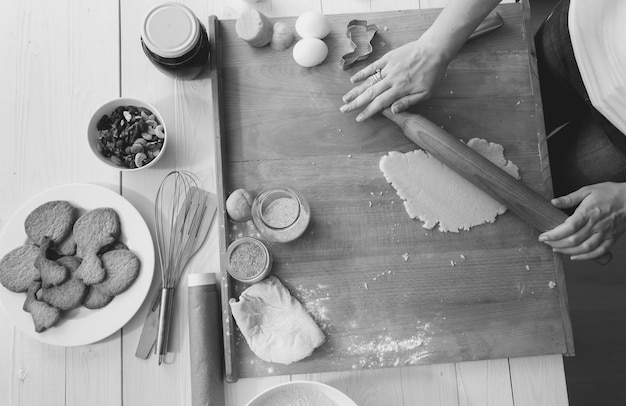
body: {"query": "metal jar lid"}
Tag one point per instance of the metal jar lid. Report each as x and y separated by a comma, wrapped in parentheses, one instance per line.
(170, 30)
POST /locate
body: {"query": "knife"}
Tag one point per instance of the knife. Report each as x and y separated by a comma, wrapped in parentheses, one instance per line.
(492, 22)
(148, 336)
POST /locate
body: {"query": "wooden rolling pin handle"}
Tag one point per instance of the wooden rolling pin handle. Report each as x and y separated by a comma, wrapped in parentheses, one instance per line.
(481, 172)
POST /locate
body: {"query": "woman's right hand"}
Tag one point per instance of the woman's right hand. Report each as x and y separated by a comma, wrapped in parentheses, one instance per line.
(598, 221)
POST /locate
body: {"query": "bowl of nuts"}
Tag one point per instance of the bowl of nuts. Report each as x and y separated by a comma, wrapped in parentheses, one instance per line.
(127, 134)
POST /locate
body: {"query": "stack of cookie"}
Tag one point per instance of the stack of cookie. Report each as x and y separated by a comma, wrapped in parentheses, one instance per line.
(68, 261)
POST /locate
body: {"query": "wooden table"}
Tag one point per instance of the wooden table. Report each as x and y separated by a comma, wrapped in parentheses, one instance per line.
(60, 61)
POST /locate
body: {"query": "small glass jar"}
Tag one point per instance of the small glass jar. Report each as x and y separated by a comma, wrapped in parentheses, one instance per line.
(280, 214)
(248, 260)
(175, 41)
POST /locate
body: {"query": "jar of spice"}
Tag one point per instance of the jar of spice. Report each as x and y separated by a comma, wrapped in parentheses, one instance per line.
(280, 214)
(248, 260)
(175, 41)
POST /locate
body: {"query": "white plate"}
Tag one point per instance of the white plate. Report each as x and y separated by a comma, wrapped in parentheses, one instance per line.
(601, 55)
(303, 388)
(83, 326)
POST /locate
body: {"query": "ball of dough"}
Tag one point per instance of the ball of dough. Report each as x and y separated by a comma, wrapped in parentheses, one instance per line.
(254, 27)
(282, 37)
(312, 25)
(239, 205)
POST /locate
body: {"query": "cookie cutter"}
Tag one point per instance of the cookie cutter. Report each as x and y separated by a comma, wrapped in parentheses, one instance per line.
(363, 48)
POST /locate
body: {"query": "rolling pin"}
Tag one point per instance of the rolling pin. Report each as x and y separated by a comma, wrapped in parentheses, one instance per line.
(517, 197)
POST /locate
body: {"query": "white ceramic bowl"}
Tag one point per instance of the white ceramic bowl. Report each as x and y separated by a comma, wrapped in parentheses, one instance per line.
(278, 395)
(107, 108)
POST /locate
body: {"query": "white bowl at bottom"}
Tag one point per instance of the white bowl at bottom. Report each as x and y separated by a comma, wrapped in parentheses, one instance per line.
(305, 393)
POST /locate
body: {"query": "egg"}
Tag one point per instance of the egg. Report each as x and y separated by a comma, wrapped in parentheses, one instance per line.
(312, 25)
(309, 52)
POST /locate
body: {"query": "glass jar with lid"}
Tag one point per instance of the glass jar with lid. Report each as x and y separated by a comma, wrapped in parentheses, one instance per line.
(174, 40)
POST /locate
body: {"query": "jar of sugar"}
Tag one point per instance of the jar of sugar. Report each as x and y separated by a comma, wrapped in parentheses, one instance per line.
(280, 214)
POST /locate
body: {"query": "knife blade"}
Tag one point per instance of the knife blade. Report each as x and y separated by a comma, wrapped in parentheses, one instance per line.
(492, 22)
(148, 336)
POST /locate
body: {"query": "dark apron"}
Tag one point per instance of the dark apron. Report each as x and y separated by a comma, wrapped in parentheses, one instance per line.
(562, 89)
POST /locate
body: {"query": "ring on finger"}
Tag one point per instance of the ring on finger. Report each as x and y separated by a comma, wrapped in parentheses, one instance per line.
(378, 76)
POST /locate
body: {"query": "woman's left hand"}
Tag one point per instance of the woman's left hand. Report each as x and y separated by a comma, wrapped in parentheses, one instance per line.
(598, 221)
(401, 78)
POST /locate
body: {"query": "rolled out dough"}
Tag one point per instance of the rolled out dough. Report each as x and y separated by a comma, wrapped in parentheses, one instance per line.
(435, 194)
(275, 325)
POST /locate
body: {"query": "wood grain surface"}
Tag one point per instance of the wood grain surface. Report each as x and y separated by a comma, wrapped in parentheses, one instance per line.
(386, 291)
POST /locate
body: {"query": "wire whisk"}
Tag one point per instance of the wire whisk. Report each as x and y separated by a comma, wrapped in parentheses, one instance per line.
(183, 216)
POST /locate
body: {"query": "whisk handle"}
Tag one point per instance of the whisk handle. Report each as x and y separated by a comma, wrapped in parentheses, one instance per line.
(165, 313)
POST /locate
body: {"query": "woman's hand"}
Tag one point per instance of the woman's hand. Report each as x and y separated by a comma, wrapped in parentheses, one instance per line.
(407, 75)
(401, 78)
(598, 221)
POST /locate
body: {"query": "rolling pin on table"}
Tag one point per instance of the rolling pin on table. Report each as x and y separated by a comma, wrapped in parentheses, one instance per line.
(482, 173)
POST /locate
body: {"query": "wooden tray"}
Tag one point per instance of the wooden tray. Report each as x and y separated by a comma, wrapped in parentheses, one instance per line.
(386, 291)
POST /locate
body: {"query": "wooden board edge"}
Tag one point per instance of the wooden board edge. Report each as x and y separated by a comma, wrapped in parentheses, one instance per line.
(545, 169)
(564, 303)
(218, 118)
(542, 142)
